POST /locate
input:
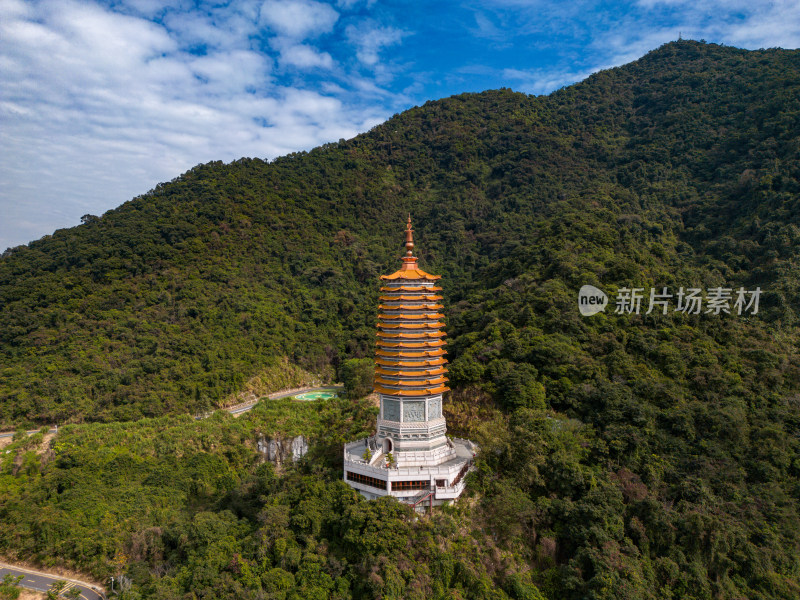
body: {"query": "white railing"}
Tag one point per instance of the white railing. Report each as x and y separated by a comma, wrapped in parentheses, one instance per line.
(395, 472)
(468, 443)
(449, 492)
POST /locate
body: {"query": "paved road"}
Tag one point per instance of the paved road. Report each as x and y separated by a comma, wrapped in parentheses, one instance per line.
(34, 580)
(31, 432)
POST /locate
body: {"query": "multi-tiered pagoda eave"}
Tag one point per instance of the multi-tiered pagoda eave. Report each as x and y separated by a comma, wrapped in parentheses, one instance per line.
(410, 457)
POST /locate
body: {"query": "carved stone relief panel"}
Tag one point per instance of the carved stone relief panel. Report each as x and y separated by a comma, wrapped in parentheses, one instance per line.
(413, 411)
(391, 410)
(435, 409)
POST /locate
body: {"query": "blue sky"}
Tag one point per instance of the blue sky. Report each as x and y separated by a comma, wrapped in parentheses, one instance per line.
(102, 100)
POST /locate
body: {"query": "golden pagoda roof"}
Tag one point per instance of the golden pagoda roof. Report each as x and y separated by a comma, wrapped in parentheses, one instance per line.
(408, 354)
(411, 274)
(397, 334)
(411, 288)
(434, 344)
(420, 317)
(437, 352)
(406, 363)
(421, 306)
(411, 325)
(421, 299)
(439, 371)
(411, 383)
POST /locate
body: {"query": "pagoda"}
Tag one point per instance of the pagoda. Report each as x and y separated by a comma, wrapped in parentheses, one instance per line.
(410, 457)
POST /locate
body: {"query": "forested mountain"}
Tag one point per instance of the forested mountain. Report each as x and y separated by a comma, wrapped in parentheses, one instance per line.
(637, 456)
(680, 168)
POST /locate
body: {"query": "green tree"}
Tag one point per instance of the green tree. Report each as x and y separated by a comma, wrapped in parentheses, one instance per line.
(9, 587)
(357, 376)
(55, 589)
(519, 388)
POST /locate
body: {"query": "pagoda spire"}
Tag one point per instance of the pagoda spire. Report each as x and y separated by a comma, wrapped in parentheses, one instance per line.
(409, 260)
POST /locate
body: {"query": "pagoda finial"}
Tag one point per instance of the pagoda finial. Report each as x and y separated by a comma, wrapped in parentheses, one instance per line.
(409, 237)
(409, 260)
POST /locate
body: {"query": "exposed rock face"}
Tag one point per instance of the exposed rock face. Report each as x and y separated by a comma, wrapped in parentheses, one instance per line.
(278, 450)
(299, 447)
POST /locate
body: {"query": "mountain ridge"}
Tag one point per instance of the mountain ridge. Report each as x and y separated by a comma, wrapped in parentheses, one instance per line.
(477, 171)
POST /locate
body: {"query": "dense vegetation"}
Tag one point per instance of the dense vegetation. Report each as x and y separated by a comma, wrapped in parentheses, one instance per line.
(624, 456)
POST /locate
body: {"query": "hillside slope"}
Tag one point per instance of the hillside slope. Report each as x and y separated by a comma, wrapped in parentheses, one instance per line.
(684, 161)
(624, 455)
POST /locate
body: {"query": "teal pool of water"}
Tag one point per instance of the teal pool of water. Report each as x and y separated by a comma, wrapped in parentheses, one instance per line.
(322, 395)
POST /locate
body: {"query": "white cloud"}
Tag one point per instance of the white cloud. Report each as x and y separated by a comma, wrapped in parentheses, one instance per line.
(351, 3)
(201, 29)
(291, 22)
(229, 70)
(741, 23)
(628, 43)
(733, 22)
(657, 3)
(299, 19)
(14, 8)
(487, 29)
(369, 39)
(703, 5)
(543, 81)
(305, 57)
(150, 8)
(97, 106)
(627, 35)
(774, 25)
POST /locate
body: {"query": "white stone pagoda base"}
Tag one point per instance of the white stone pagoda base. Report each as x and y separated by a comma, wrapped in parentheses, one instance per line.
(438, 476)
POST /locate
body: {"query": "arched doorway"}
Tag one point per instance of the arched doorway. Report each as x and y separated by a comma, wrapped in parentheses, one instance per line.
(387, 445)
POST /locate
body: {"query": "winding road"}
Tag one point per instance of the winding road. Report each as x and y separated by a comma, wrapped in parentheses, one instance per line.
(32, 431)
(40, 581)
